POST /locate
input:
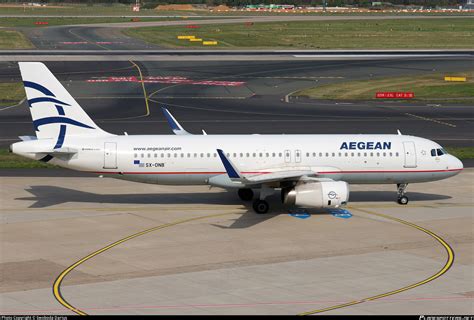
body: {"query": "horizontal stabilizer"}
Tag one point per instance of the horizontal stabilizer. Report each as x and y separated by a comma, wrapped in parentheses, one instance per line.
(65, 151)
(27, 138)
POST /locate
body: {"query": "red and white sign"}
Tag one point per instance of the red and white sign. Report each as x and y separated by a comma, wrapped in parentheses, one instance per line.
(40, 23)
(136, 8)
(192, 26)
(395, 95)
(168, 80)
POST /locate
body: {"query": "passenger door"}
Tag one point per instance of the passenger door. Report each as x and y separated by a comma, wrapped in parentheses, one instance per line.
(410, 154)
(110, 155)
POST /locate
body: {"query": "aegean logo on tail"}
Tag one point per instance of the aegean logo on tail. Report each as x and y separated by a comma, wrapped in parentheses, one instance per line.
(353, 145)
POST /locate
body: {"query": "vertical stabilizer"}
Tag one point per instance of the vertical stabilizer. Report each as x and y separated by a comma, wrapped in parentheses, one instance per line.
(55, 113)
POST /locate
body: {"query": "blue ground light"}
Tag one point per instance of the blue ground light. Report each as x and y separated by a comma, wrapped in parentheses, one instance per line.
(340, 213)
(300, 215)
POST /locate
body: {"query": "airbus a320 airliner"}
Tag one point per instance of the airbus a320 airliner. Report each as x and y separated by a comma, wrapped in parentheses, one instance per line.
(312, 171)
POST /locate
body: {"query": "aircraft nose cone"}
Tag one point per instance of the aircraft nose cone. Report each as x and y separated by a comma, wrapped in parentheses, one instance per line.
(458, 163)
(455, 164)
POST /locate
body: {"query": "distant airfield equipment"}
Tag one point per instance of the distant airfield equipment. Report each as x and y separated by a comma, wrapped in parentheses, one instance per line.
(455, 79)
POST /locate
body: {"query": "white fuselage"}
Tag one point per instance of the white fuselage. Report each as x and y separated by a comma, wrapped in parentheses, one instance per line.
(193, 159)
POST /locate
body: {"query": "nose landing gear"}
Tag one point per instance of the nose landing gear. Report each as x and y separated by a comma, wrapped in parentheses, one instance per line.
(402, 198)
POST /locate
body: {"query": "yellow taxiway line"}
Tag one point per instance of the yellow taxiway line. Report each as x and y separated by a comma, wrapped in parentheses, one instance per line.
(143, 87)
(449, 262)
(443, 270)
(57, 283)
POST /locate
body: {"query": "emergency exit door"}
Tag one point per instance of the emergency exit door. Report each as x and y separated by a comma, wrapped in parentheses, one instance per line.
(110, 155)
(297, 155)
(287, 156)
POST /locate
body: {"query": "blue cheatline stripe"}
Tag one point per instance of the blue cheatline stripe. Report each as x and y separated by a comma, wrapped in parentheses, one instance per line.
(46, 99)
(228, 167)
(171, 122)
(60, 110)
(37, 86)
(62, 134)
(46, 158)
(48, 120)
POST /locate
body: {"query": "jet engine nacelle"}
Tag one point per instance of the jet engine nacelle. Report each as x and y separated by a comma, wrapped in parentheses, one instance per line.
(325, 194)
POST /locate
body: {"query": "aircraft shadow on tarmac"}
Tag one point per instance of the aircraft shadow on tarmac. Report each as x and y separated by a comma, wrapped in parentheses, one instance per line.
(46, 196)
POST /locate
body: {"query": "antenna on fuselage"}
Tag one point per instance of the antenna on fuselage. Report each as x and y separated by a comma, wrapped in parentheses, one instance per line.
(399, 133)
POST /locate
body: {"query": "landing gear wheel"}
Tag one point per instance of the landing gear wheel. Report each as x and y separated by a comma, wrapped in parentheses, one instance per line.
(403, 200)
(245, 194)
(260, 206)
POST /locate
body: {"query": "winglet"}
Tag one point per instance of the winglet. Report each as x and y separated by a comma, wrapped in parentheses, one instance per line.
(232, 172)
(175, 126)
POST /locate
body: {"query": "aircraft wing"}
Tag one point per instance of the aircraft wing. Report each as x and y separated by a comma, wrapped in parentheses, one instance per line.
(278, 176)
(265, 177)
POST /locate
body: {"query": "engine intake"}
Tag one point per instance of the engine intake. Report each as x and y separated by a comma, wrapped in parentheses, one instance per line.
(326, 194)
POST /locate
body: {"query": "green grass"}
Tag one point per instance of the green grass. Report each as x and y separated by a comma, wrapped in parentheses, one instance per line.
(462, 153)
(427, 88)
(356, 34)
(13, 161)
(11, 39)
(11, 93)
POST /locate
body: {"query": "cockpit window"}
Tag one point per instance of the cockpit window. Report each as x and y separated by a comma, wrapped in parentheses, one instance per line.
(438, 152)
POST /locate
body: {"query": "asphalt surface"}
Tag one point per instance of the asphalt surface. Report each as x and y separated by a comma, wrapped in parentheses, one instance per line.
(256, 104)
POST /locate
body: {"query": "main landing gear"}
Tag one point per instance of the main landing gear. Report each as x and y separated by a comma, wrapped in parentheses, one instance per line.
(245, 194)
(259, 205)
(402, 198)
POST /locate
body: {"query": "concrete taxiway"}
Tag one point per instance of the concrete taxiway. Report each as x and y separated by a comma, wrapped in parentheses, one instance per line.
(191, 250)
